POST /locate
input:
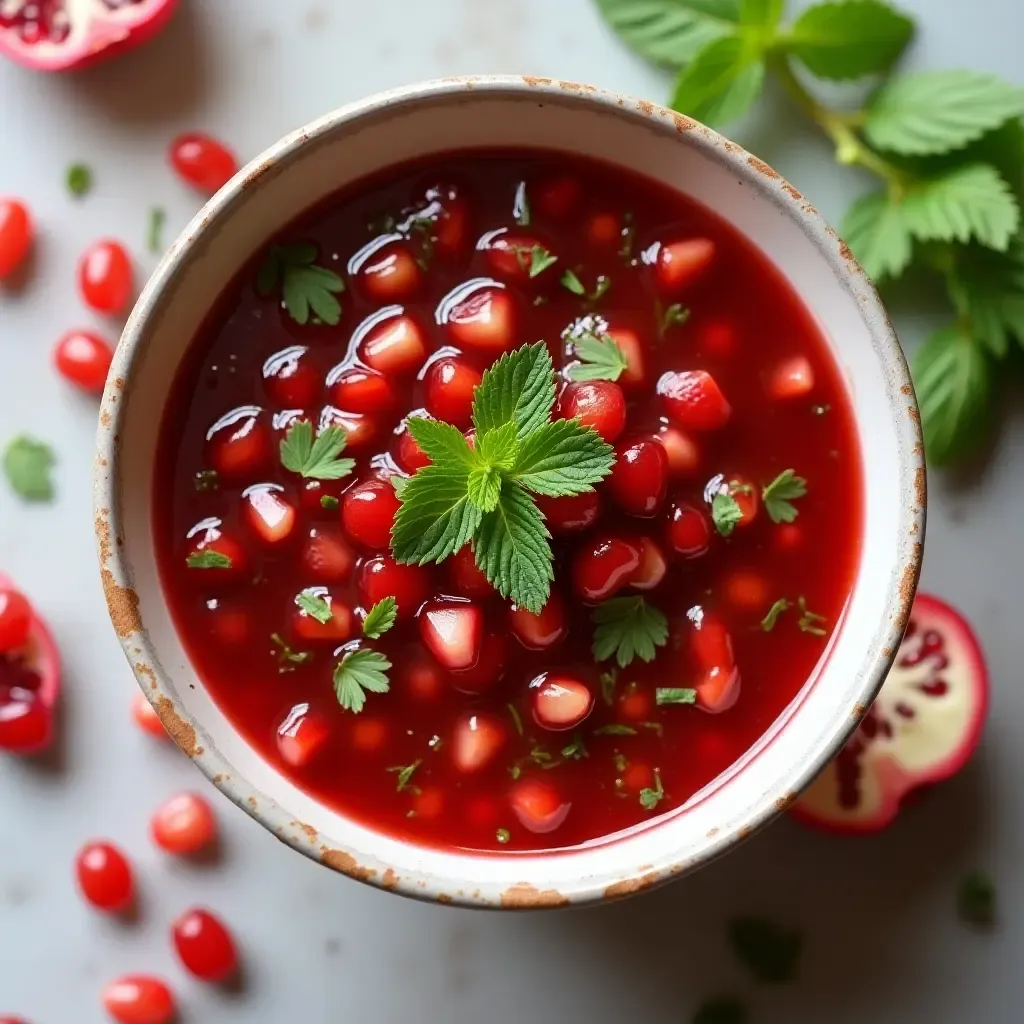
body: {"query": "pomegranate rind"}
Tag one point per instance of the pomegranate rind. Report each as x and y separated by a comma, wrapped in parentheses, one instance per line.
(106, 33)
(926, 749)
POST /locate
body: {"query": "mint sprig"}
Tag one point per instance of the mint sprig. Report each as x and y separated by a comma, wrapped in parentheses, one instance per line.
(485, 494)
(308, 290)
(628, 628)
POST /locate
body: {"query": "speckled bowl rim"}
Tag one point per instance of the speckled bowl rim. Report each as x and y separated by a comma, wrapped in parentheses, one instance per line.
(123, 602)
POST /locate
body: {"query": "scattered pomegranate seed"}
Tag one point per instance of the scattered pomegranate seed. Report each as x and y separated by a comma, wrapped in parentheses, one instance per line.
(16, 232)
(571, 514)
(391, 274)
(638, 776)
(538, 805)
(290, 379)
(428, 803)
(557, 198)
(683, 453)
(652, 568)
(477, 740)
(636, 703)
(453, 632)
(105, 876)
(301, 736)
(230, 626)
(205, 946)
(368, 511)
(743, 492)
(598, 404)
(139, 999)
(484, 321)
(208, 536)
(421, 676)
(105, 277)
(382, 577)
(15, 620)
(368, 735)
(83, 358)
(489, 668)
(634, 376)
(787, 537)
(680, 264)
(639, 478)
(145, 717)
(559, 702)
(337, 629)
(466, 577)
(718, 688)
(409, 455)
(269, 514)
(693, 400)
(511, 256)
(238, 444)
(203, 161)
(184, 824)
(718, 339)
(793, 378)
(450, 384)
(689, 531)
(748, 591)
(603, 230)
(361, 390)
(603, 566)
(327, 556)
(538, 632)
(394, 346)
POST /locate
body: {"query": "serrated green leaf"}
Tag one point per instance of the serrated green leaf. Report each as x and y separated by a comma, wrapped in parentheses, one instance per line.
(600, 358)
(27, 464)
(314, 605)
(964, 203)
(360, 671)
(760, 13)
(779, 495)
(670, 32)
(499, 447)
(380, 618)
(628, 628)
(208, 559)
(513, 550)
(953, 378)
(305, 287)
(484, 487)
(988, 291)
(435, 518)
(877, 232)
(721, 82)
(519, 386)
(563, 458)
(442, 443)
(726, 513)
(939, 111)
(850, 38)
(315, 459)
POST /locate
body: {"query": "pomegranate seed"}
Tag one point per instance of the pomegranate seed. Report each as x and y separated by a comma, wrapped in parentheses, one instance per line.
(450, 384)
(718, 687)
(238, 444)
(421, 677)
(747, 590)
(139, 999)
(145, 717)
(570, 514)
(290, 380)
(410, 456)
(208, 536)
(83, 358)
(359, 429)
(538, 805)
(603, 566)
(204, 945)
(453, 632)
(203, 161)
(787, 537)
(105, 876)
(603, 230)
(652, 568)
(105, 277)
(367, 512)
(337, 629)
(688, 531)
(538, 632)
(634, 376)
(184, 824)
(450, 216)
(680, 264)
(598, 404)
(15, 620)
(391, 274)
(26, 723)
(477, 740)
(485, 321)
(301, 736)
(466, 577)
(428, 803)
(557, 198)
(394, 346)
(559, 702)
(229, 626)
(268, 513)
(793, 378)
(328, 557)
(718, 339)
(16, 234)
(511, 256)
(693, 400)
(369, 735)
(683, 453)
(361, 390)
(639, 478)
(636, 703)
(382, 577)
(638, 776)
(742, 491)
(489, 668)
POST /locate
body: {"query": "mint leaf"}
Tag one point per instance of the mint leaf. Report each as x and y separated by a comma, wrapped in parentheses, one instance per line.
(442, 443)
(600, 358)
(760, 13)
(779, 495)
(628, 628)
(963, 203)
(435, 518)
(771, 953)
(315, 459)
(512, 549)
(313, 603)
(721, 82)
(79, 180)
(726, 513)
(519, 386)
(850, 38)
(27, 464)
(307, 289)
(674, 695)
(877, 232)
(499, 447)
(988, 291)
(772, 617)
(380, 618)
(954, 381)
(721, 1011)
(207, 559)
(650, 798)
(359, 672)
(563, 458)
(670, 32)
(484, 487)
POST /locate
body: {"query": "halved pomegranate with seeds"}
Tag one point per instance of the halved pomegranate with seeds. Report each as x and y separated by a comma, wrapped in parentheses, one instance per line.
(923, 727)
(538, 805)
(58, 35)
(453, 632)
(559, 702)
(29, 675)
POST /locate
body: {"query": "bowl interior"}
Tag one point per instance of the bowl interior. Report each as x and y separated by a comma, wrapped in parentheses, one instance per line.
(350, 144)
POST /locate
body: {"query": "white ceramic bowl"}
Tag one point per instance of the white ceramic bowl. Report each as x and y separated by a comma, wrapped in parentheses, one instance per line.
(453, 114)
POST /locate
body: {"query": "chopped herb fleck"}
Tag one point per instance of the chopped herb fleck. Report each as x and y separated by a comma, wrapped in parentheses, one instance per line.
(615, 729)
(573, 283)
(503, 835)
(725, 513)
(517, 719)
(155, 230)
(79, 180)
(405, 773)
(976, 900)
(576, 750)
(515, 771)
(655, 727)
(809, 620)
(206, 480)
(286, 657)
(329, 502)
(536, 259)
(780, 606)
(650, 798)
(540, 756)
(208, 559)
(608, 680)
(27, 464)
(674, 695)
(604, 282)
(778, 496)
(671, 316)
(621, 764)
(771, 953)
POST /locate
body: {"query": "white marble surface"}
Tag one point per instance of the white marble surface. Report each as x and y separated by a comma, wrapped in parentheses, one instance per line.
(882, 940)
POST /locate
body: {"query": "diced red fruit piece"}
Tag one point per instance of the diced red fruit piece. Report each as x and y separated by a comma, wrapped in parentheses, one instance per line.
(139, 999)
(510, 256)
(636, 703)
(83, 359)
(368, 511)
(453, 632)
(787, 537)
(557, 198)
(145, 717)
(394, 346)
(270, 515)
(747, 590)
(202, 161)
(639, 478)
(208, 537)
(301, 736)
(693, 400)
(477, 740)
(718, 687)
(688, 531)
(105, 277)
(359, 428)
(598, 404)
(338, 628)
(483, 321)
(391, 274)
(792, 378)
(327, 556)
(652, 568)
(421, 676)
(604, 565)
(541, 631)
(451, 224)
(290, 379)
(410, 456)
(105, 877)
(538, 805)
(717, 339)
(634, 376)
(638, 776)
(466, 577)
(359, 389)
(489, 669)
(184, 824)
(450, 384)
(560, 702)
(238, 444)
(683, 453)
(16, 233)
(428, 803)
(383, 577)
(572, 513)
(604, 230)
(15, 619)
(229, 626)
(312, 494)
(680, 264)
(205, 946)
(368, 735)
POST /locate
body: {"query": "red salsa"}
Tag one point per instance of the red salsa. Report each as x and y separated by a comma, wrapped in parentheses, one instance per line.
(393, 406)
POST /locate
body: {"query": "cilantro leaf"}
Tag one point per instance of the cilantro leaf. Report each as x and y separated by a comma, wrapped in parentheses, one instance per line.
(771, 953)
(563, 458)
(442, 443)
(721, 82)
(851, 38)
(772, 616)
(939, 111)
(877, 232)
(628, 627)
(608, 680)
(650, 798)
(436, 517)
(27, 464)
(305, 287)
(405, 774)
(721, 1011)
(315, 459)
(600, 358)
(360, 671)
(208, 559)
(313, 603)
(380, 618)
(520, 386)
(79, 180)
(726, 513)
(976, 900)
(674, 695)
(779, 495)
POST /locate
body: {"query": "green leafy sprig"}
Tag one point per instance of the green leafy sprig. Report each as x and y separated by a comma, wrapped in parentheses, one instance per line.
(308, 290)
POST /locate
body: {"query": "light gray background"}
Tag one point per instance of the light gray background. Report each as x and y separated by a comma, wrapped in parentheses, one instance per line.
(883, 944)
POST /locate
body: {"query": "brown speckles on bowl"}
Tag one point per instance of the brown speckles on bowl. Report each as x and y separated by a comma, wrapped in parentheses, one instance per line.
(182, 732)
(762, 168)
(122, 602)
(630, 886)
(524, 896)
(339, 860)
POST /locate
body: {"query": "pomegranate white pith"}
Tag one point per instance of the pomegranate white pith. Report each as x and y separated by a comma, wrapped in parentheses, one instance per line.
(922, 728)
